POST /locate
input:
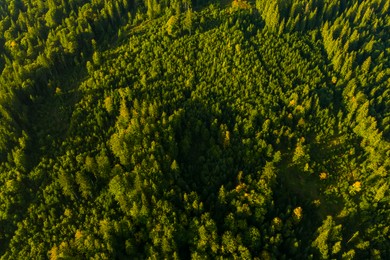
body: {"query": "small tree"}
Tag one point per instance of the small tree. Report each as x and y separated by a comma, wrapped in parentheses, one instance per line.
(188, 20)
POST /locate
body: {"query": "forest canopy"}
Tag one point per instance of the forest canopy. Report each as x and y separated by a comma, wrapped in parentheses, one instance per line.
(183, 129)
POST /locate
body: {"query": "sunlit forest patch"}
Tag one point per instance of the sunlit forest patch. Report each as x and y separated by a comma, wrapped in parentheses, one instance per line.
(194, 129)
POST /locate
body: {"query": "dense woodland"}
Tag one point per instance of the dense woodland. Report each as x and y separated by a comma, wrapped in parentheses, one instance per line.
(180, 129)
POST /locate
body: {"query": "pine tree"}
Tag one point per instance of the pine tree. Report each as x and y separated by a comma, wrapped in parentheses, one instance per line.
(188, 20)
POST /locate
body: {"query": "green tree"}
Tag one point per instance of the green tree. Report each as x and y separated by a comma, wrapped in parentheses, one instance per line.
(328, 241)
(188, 20)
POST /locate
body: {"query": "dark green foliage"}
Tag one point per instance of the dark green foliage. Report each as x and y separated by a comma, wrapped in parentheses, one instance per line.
(179, 129)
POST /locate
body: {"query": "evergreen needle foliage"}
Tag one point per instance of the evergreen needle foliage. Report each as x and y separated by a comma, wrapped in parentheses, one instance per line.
(194, 129)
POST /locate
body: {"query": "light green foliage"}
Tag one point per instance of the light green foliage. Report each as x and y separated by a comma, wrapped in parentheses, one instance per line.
(328, 239)
(172, 25)
(174, 129)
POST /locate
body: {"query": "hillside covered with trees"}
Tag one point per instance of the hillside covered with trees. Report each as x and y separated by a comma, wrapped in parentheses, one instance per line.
(180, 129)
